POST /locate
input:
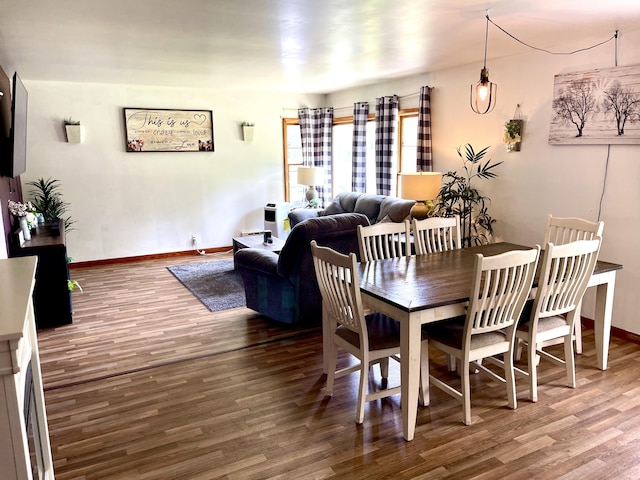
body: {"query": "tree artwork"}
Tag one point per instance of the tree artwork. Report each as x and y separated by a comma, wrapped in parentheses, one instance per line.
(600, 106)
(623, 103)
(576, 103)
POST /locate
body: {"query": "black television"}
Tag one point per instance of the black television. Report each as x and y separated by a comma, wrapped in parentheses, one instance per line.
(17, 161)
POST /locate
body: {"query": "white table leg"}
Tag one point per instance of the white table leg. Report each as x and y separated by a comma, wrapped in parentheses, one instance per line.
(602, 322)
(410, 344)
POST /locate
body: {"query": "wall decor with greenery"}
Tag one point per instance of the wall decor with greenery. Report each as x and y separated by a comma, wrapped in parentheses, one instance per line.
(459, 196)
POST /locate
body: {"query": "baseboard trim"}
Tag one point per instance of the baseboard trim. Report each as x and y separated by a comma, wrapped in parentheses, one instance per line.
(154, 256)
(615, 332)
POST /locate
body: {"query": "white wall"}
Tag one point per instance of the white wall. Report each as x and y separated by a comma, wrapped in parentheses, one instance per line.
(541, 178)
(131, 204)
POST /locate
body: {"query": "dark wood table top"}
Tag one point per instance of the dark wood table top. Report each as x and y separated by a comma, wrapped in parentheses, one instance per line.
(437, 279)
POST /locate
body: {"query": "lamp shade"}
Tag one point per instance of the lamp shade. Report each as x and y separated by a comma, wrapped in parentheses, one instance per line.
(420, 186)
(310, 176)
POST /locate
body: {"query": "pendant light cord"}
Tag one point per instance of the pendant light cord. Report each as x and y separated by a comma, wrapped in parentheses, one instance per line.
(615, 36)
(486, 40)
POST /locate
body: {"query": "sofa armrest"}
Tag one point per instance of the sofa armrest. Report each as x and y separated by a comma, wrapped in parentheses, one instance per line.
(257, 259)
(299, 214)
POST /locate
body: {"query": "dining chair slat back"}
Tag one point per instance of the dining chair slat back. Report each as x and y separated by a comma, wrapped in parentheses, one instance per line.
(568, 229)
(381, 241)
(561, 230)
(436, 234)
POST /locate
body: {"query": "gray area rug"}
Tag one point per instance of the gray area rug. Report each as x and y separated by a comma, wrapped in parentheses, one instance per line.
(215, 283)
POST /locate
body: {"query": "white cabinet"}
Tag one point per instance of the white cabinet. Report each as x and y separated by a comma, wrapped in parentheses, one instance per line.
(25, 450)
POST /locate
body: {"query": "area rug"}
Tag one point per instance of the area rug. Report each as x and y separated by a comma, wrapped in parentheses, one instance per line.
(216, 284)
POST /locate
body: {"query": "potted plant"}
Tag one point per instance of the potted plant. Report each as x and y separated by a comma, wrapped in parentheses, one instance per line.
(459, 197)
(247, 131)
(72, 129)
(47, 200)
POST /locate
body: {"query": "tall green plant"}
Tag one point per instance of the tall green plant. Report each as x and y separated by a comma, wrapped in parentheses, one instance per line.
(47, 199)
(459, 197)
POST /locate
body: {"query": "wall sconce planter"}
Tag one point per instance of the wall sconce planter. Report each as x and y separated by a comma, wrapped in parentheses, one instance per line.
(73, 131)
(512, 136)
(247, 131)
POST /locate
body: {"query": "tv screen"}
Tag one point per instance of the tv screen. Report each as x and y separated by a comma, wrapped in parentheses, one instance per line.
(18, 137)
(5, 122)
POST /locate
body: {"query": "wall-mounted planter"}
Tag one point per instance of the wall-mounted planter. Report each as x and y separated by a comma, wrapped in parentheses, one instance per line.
(247, 133)
(73, 133)
(514, 146)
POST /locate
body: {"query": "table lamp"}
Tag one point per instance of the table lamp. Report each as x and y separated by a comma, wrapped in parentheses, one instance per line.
(310, 176)
(421, 187)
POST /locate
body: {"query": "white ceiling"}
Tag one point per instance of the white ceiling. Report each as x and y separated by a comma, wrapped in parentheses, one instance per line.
(311, 46)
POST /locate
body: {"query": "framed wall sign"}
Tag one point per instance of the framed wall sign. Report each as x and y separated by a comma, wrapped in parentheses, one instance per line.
(163, 130)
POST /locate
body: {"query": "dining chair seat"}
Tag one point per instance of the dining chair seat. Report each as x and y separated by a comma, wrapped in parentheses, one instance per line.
(546, 325)
(451, 333)
(384, 332)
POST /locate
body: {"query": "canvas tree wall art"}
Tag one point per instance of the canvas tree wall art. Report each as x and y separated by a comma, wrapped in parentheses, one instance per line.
(600, 106)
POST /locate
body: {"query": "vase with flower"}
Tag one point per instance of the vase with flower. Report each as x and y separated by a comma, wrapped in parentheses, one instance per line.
(25, 216)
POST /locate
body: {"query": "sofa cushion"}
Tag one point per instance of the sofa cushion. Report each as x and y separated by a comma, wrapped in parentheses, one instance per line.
(369, 205)
(348, 200)
(333, 208)
(336, 231)
(397, 209)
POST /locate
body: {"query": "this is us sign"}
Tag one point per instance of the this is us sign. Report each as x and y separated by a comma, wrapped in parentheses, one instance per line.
(165, 130)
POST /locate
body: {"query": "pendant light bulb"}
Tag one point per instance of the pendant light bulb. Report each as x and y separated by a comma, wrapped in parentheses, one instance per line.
(483, 94)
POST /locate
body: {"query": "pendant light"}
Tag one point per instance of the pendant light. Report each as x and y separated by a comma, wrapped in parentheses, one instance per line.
(483, 93)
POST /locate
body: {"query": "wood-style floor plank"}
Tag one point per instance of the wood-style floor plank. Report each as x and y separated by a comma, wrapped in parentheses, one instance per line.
(148, 384)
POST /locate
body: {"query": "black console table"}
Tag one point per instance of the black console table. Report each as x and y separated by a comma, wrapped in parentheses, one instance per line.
(51, 297)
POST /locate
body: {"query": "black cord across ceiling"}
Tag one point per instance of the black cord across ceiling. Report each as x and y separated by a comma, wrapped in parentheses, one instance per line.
(614, 36)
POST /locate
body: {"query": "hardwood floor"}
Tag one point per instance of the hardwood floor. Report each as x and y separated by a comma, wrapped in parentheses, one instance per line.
(148, 384)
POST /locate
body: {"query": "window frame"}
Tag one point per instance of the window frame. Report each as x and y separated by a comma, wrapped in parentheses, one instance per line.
(286, 122)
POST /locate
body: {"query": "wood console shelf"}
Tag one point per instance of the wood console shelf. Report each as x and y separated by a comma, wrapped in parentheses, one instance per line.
(52, 298)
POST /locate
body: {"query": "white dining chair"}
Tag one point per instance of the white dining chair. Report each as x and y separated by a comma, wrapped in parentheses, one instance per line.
(371, 339)
(564, 275)
(384, 240)
(561, 230)
(499, 289)
(436, 234)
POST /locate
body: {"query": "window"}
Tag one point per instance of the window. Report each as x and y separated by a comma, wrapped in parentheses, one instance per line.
(294, 193)
(342, 149)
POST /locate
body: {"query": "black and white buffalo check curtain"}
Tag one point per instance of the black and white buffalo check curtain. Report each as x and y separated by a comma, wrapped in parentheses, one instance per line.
(424, 160)
(359, 147)
(316, 127)
(386, 122)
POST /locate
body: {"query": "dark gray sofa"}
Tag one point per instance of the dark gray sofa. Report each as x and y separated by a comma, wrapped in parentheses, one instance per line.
(284, 287)
(377, 208)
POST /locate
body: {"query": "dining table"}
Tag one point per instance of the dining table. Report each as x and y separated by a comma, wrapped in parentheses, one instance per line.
(419, 289)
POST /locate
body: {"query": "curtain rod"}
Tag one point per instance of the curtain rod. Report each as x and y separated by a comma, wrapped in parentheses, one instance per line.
(414, 94)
